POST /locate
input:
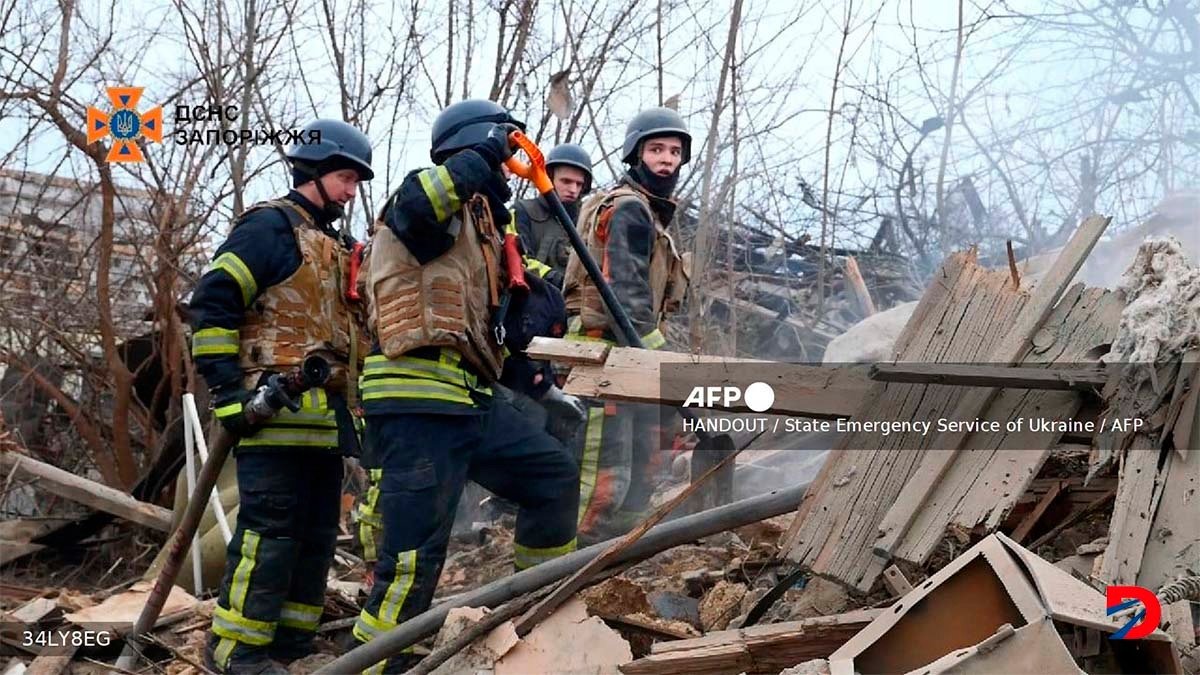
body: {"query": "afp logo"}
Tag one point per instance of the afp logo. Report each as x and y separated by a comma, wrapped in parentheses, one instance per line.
(759, 397)
(1120, 598)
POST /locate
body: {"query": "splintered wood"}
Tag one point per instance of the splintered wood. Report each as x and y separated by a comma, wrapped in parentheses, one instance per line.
(1154, 532)
(962, 319)
(757, 649)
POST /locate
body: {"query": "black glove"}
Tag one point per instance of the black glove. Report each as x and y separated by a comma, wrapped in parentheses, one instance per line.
(496, 147)
(229, 412)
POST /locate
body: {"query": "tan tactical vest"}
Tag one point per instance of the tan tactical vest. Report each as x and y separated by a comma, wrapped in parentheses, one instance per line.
(448, 301)
(668, 276)
(307, 313)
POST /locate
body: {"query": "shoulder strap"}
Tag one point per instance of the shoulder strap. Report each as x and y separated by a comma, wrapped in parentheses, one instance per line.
(291, 212)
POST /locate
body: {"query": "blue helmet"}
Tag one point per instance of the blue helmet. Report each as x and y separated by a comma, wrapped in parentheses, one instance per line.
(341, 146)
(653, 123)
(466, 124)
(570, 154)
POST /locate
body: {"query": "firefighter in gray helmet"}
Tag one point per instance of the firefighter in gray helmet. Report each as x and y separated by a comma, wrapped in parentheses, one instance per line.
(546, 245)
(625, 228)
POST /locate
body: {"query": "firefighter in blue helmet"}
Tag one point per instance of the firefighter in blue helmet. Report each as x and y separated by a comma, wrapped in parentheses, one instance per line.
(275, 294)
(435, 281)
(570, 169)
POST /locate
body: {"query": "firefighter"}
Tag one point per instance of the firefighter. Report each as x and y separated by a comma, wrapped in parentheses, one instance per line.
(275, 294)
(570, 169)
(435, 281)
(625, 229)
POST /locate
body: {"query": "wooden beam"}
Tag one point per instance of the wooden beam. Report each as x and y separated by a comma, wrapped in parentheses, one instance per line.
(87, 492)
(635, 375)
(569, 352)
(855, 278)
(1030, 520)
(758, 649)
(1073, 518)
(974, 403)
(1080, 379)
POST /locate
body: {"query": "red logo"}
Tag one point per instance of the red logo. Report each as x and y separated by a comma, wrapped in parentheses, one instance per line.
(1144, 621)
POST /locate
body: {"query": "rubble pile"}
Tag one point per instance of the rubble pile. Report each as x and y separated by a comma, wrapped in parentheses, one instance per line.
(954, 552)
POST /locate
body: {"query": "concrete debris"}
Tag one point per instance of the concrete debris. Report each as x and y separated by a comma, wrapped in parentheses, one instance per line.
(615, 597)
(721, 604)
(480, 655)
(812, 667)
(872, 339)
(887, 544)
(554, 645)
(119, 612)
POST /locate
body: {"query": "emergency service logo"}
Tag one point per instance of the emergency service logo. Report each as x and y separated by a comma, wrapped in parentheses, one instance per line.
(125, 124)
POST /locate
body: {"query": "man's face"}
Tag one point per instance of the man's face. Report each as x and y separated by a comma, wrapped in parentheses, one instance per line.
(341, 185)
(568, 183)
(663, 155)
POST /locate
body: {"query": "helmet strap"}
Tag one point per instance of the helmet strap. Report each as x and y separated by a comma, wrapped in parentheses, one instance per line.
(330, 210)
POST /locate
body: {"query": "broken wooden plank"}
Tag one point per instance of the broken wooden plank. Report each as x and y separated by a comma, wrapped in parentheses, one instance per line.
(1080, 379)
(854, 276)
(1022, 531)
(569, 352)
(896, 582)
(1139, 489)
(983, 483)
(757, 649)
(1074, 518)
(1015, 343)
(33, 611)
(1172, 545)
(13, 550)
(674, 533)
(838, 520)
(53, 663)
(634, 375)
(87, 492)
(651, 628)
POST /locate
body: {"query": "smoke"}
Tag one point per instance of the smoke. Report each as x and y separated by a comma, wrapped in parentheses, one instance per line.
(1177, 216)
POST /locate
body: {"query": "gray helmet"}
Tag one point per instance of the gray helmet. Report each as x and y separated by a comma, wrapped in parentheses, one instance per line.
(466, 124)
(339, 142)
(653, 122)
(570, 154)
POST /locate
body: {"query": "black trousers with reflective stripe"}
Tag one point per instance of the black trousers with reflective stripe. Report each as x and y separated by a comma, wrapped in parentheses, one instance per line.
(427, 459)
(289, 504)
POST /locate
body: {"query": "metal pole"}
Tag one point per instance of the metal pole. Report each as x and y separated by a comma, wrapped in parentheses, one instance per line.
(660, 538)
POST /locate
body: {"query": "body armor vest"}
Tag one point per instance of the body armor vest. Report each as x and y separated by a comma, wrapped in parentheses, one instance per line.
(550, 244)
(308, 312)
(448, 301)
(668, 278)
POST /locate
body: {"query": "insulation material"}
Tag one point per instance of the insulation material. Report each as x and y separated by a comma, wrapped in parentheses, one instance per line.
(1162, 315)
